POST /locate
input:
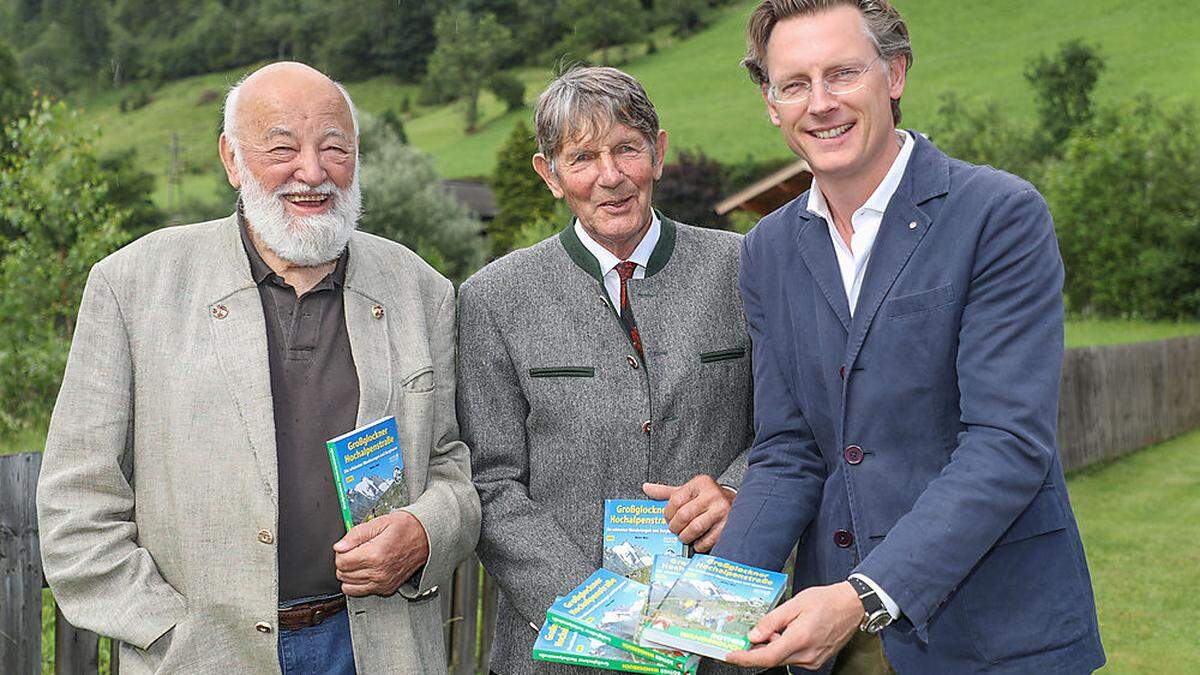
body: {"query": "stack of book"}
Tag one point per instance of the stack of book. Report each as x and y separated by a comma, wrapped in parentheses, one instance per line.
(650, 609)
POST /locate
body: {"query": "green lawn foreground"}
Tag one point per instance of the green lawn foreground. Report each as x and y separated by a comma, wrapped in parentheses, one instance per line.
(1140, 519)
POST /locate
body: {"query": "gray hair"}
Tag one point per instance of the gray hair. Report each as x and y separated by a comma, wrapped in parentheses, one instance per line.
(229, 120)
(583, 102)
(881, 22)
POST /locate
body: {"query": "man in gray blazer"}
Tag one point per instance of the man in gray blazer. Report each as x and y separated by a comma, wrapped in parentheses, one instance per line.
(609, 361)
(186, 502)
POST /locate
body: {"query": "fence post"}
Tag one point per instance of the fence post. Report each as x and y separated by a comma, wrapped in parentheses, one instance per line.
(20, 566)
(76, 652)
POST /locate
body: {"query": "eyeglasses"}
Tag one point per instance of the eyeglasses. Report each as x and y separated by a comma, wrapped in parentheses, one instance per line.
(839, 83)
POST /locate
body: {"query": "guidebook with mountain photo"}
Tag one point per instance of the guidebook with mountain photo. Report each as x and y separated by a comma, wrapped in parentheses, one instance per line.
(663, 574)
(712, 606)
(634, 532)
(368, 468)
(557, 644)
(608, 607)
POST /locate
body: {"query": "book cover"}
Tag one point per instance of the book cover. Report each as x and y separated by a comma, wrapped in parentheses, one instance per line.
(634, 532)
(557, 644)
(368, 468)
(712, 606)
(608, 607)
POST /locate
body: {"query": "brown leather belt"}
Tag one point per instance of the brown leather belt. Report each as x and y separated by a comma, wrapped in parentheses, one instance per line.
(310, 613)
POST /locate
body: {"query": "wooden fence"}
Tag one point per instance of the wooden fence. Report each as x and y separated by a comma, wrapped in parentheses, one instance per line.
(1114, 400)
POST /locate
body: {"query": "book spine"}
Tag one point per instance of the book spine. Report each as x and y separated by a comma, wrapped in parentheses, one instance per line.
(600, 662)
(620, 643)
(341, 485)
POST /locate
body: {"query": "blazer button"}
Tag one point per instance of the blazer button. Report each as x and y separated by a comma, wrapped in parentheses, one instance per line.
(843, 538)
(646, 427)
(265, 537)
(842, 371)
(632, 362)
(262, 627)
(853, 454)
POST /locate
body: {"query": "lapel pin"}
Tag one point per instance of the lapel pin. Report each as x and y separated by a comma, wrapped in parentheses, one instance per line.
(219, 311)
(912, 225)
(377, 311)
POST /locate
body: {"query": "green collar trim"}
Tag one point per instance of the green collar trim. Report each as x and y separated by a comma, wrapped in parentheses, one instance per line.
(587, 262)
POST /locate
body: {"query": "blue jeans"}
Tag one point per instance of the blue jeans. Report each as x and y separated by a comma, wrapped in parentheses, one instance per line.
(323, 649)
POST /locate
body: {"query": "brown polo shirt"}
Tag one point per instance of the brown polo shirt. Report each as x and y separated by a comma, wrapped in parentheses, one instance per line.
(314, 388)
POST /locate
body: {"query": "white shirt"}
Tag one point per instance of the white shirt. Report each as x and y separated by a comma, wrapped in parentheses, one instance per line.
(608, 261)
(852, 261)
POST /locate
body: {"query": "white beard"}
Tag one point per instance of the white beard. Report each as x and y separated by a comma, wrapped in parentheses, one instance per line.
(301, 240)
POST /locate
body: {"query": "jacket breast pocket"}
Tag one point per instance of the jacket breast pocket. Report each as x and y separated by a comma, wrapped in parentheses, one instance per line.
(921, 301)
(719, 355)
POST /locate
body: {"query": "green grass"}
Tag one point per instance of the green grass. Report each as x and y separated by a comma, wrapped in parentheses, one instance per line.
(1089, 332)
(705, 100)
(1140, 519)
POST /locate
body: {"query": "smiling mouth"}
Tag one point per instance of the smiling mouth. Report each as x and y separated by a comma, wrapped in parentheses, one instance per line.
(827, 134)
(616, 203)
(307, 199)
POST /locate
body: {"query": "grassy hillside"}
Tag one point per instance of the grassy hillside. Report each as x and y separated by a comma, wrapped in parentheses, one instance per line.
(972, 47)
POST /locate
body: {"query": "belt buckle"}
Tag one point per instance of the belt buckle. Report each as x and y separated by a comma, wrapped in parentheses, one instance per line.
(318, 615)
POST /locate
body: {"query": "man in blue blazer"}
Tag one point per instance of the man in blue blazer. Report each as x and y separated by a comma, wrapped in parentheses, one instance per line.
(907, 326)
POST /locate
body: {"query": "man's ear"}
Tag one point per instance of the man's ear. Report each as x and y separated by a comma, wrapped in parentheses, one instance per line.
(771, 111)
(231, 173)
(542, 166)
(660, 153)
(896, 77)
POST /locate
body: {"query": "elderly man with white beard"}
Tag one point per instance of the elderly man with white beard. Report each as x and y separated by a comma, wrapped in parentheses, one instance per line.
(186, 503)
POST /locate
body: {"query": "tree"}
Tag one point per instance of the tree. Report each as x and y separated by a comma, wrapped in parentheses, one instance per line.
(689, 188)
(981, 133)
(521, 196)
(404, 201)
(1064, 85)
(599, 25)
(56, 213)
(14, 93)
(469, 49)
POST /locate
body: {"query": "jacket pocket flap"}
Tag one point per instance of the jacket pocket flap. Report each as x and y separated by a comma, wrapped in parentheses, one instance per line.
(563, 371)
(920, 301)
(1044, 514)
(722, 355)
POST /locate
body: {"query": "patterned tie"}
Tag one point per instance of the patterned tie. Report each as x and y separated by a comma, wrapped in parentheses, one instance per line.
(625, 271)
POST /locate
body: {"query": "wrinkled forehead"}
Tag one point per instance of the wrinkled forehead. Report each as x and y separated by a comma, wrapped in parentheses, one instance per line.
(599, 129)
(297, 113)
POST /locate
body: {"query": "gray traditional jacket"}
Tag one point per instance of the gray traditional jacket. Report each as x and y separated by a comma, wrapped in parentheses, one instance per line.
(157, 500)
(560, 413)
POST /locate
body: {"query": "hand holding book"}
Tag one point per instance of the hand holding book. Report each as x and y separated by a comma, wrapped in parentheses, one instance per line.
(378, 556)
(696, 510)
(806, 630)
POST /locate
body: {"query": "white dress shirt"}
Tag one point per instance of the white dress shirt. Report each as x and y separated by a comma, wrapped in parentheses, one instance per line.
(608, 261)
(852, 261)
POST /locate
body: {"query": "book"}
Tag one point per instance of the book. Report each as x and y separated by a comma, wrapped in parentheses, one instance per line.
(663, 575)
(368, 468)
(712, 606)
(608, 607)
(557, 644)
(634, 532)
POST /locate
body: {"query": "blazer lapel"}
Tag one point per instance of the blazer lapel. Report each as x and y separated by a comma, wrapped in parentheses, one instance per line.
(240, 336)
(904, 225)
(367, 325)
(816, 249)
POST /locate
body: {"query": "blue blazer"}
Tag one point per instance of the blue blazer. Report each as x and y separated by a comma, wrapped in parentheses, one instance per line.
(915, 441)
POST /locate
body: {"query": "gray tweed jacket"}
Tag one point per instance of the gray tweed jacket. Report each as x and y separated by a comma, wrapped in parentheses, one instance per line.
(560, 413)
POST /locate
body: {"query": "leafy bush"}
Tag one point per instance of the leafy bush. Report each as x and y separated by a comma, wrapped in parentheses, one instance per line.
(1127, 213)
(689, 188)
(509, 89)
(404, 202)
(57, 218)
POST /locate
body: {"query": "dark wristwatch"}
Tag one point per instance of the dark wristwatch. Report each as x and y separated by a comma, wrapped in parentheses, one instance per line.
(875, 615)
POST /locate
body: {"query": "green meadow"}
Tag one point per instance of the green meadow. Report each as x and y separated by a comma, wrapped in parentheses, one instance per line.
(704, 98)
